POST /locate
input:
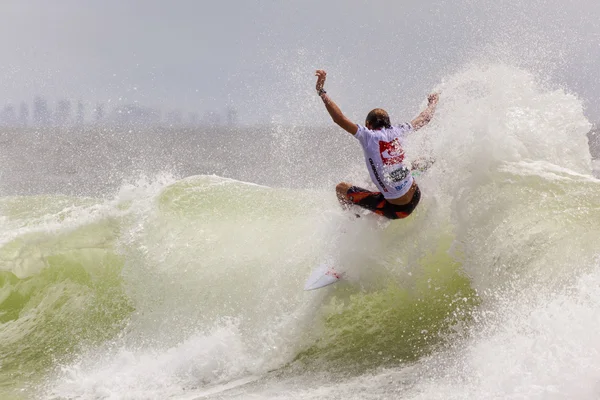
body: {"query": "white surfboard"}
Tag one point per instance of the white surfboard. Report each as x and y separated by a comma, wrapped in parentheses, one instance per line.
(323, 275)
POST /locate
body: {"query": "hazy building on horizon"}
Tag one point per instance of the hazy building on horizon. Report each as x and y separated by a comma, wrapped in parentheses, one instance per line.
(232, 116)
(99, 113)
(41, 115)
(193, 119)
(62, 116)
(211, 118)
(8, 115)
(24, 114)
(80, 117)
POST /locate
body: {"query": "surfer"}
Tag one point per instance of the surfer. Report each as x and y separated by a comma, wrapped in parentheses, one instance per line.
(381, 142)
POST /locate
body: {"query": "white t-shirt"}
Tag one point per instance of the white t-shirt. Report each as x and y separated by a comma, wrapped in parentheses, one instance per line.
(384, 157)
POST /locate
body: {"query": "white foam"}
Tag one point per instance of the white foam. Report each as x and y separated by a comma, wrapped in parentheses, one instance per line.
(147, 373)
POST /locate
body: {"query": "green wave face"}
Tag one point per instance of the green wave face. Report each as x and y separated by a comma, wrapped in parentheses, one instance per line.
(73, 272)
(398, 323)
(60, 292)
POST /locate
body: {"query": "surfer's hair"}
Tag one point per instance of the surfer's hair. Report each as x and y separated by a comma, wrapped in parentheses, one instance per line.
(378, 118)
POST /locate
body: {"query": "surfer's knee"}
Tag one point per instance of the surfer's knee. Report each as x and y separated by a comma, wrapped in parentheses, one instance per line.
(342, 188)
(341, 191)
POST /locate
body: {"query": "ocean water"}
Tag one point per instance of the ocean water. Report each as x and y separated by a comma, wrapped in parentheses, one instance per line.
(141, 266)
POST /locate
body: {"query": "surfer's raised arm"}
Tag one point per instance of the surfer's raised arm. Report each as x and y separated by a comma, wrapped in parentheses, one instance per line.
(425, 116)
(336, 114)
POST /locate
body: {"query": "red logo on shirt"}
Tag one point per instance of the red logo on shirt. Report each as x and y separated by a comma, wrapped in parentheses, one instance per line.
(391, 152)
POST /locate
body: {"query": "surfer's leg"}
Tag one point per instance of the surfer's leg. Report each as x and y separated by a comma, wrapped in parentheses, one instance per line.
(341, 191)
(358, 196)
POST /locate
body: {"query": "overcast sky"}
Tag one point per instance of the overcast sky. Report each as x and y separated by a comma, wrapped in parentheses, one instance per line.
(259, 56)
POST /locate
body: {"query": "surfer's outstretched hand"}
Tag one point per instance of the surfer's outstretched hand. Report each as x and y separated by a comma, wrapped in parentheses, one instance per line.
(321, 76)
(433, 98)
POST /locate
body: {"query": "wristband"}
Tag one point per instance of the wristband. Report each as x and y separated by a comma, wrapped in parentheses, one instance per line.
(321, 92)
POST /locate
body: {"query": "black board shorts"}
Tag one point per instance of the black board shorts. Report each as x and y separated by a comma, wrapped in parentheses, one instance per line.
(375, 202)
